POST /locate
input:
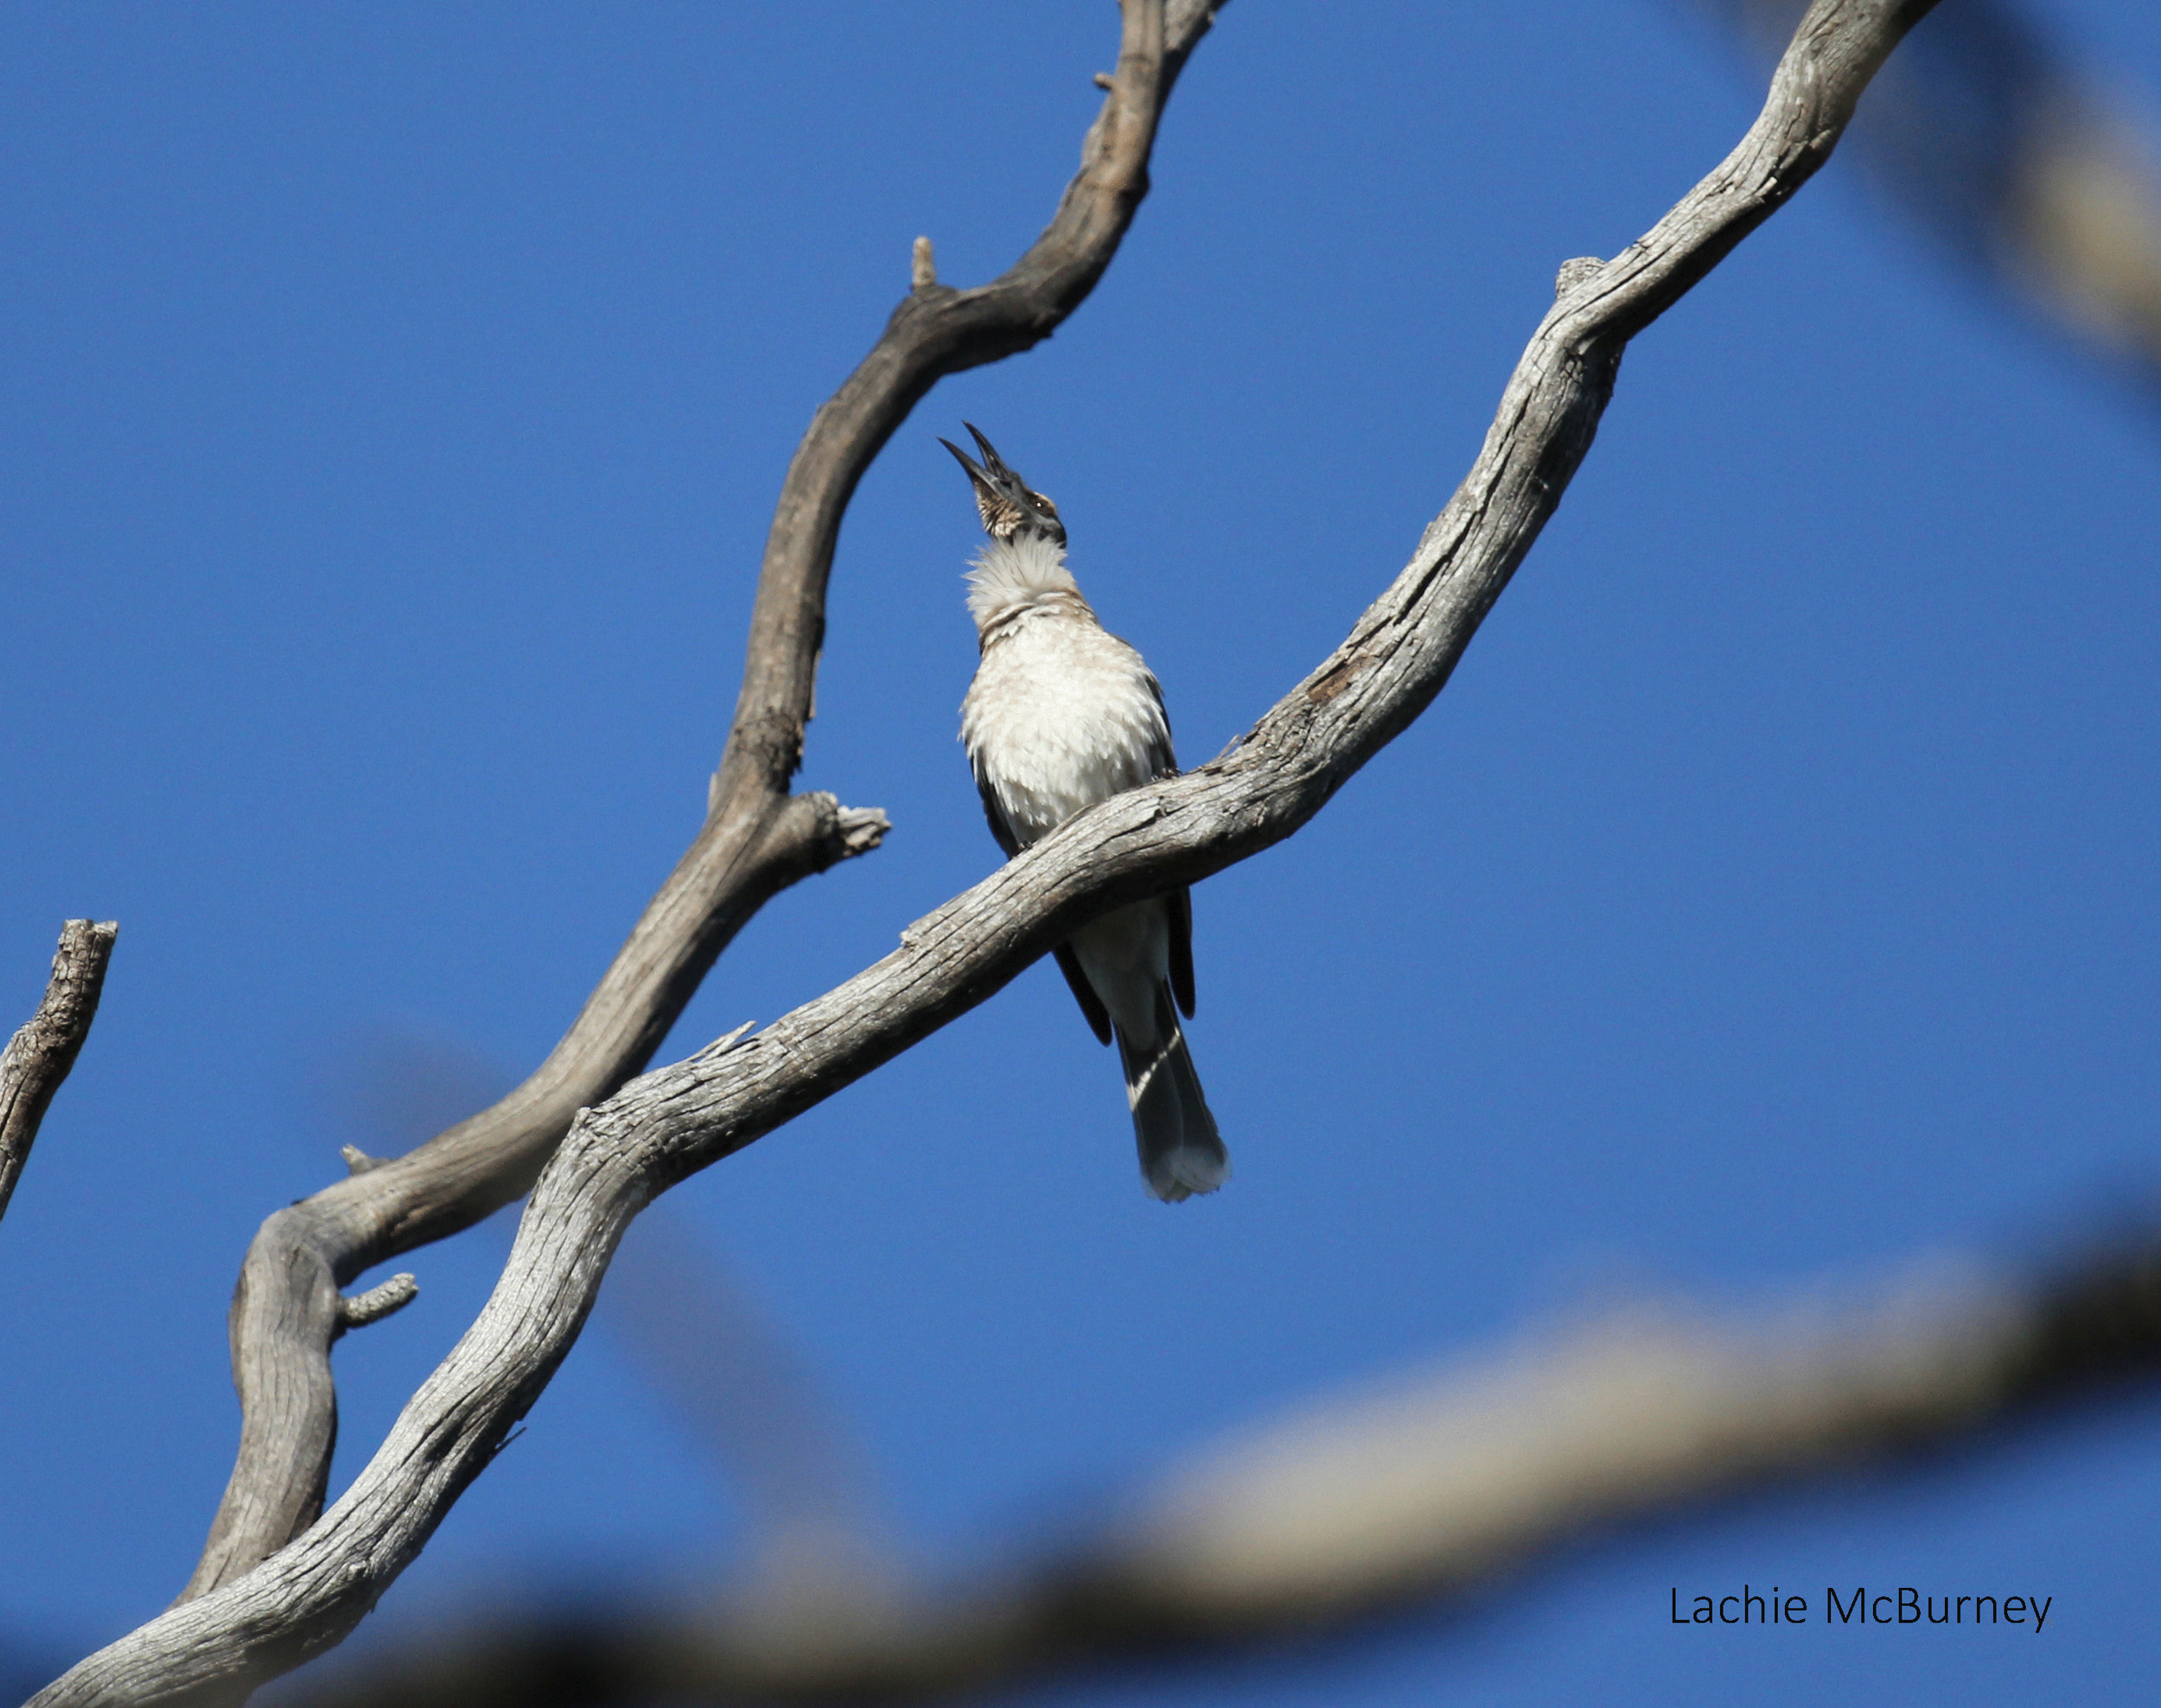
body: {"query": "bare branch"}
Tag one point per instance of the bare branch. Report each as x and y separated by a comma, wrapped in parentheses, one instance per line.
(668, 1125)
(38, 1057)
(935, 331)
(1431, 1486)
(758, 838)
(378, 1301)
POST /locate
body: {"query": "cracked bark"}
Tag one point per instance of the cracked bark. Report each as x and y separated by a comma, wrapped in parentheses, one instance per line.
(43, 1052)
(660, 1128)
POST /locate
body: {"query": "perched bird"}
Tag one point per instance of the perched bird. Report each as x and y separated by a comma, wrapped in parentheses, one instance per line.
(1061, 715)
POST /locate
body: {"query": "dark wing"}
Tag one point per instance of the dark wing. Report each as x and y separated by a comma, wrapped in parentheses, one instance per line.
(1099, 1017)
(1083, 992)
(1181, 905)
(1166, 761)
(994, 815)
(1179, 901)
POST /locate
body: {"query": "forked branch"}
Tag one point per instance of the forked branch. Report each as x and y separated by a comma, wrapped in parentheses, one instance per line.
(757, 839)
(672, 1122)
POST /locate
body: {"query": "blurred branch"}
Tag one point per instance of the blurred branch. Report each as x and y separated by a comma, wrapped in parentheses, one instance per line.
(40, 1055)
(757, 839)
(662, 1128)
(1989, 139)
(813, 1519)
(1432, 1488)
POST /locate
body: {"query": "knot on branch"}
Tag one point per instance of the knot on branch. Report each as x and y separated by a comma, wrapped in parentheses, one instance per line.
(859, 829)
(721, 1045)
(376, 1302)
(829, 832)
(766, 746)
(357, 1161)
(1574, 272)
(1332, 681)
(922, 268)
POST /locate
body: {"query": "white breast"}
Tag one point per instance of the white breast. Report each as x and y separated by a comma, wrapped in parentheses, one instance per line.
(1061, 715)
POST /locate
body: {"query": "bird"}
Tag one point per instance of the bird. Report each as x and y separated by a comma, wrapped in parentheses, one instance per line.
(1062, 715)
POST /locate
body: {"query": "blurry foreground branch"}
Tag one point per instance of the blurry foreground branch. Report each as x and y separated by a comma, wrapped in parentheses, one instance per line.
(40, 1055)
(1432, 1488)
(2044, 182)
(665, 1126)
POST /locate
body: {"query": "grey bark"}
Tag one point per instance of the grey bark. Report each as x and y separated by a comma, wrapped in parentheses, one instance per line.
(669, 1124)
(44, 1050)
(757, 839)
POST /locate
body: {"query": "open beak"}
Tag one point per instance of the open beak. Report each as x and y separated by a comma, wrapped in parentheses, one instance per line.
(1005, 500)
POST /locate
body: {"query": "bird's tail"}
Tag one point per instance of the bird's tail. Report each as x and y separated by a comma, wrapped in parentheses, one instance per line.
(1180, 1152)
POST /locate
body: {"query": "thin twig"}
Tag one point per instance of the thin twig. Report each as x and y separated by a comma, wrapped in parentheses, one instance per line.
(758, 838)
(39, 1056)
(671, 1123)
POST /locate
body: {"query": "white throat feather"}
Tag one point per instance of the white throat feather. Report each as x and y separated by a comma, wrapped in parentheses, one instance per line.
(1009, 577)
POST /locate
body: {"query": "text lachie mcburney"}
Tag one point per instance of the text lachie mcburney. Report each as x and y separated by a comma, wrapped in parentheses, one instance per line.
(1903, 1606)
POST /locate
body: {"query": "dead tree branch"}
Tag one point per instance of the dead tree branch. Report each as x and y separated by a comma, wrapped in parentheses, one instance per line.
(671, 1123)
(39, 1056)
(757, 839)
(1431, 1487)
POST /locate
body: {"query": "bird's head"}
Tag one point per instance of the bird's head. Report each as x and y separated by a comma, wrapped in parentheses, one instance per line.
(1008, 507)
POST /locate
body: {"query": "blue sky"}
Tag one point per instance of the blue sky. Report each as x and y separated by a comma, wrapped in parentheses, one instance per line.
(394, 398)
